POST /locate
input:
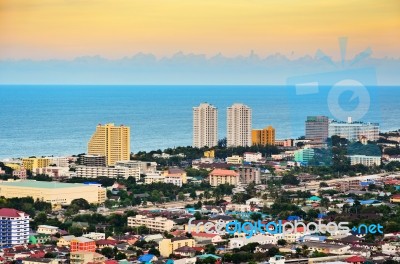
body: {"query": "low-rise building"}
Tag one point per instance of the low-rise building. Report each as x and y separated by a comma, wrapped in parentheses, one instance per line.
(47, 229)
(65, 241)
(174, 179)
(111, 172)
(53, 192)
(168, 246)
(235, 159)
(252, 157)
(21, 173)
(93, 160)
(249, 174)
(160, 224)
(176, 172)
(32, 163)
(365, 160)
(53, 172)
(327, 248)
(79, 257)
(220, 176)
(82, 244)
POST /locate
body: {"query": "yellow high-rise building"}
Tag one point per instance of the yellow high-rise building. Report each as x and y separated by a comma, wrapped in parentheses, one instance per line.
(32, 164)
(263, 137)
(111, 141)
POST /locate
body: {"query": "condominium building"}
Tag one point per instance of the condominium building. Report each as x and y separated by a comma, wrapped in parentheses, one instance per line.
(249, 175)
(238, 125)
(354, 131)
(365, 160)
(111, 141)
(205, 126)
(317, 128)
(53, 192)
(32, 163)
(263, 137)
(159, 224)
(221, 176)
(111, 172)
(14, 227)
(93, 160)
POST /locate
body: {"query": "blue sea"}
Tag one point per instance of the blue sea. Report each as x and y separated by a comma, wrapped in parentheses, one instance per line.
(59, 120)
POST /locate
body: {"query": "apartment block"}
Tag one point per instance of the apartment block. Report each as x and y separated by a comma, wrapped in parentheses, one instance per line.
(160, 224)
(249, 175)
(317, 128)
(112, 142)
(32, 163)
(239, 125)
(93, 160)
(167, 246)
(365, 160)
(205, 126)
(14, 227)
(263, 137)
(221, 176)
(354, 131)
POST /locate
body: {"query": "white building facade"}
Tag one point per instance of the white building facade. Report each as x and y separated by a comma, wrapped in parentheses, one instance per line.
(205, 126)
(239, 125)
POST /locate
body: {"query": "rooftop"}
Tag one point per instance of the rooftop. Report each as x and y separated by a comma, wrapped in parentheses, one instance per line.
(40, 184)
(9, 212)
(221, 172)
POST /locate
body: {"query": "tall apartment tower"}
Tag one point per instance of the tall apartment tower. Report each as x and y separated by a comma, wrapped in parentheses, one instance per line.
(14, 228)
(238, 125)
(205, 126)
(111, 141)
(263, 137)
(317, 128)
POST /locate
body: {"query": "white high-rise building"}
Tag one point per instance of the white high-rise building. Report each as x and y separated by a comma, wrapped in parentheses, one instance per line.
(205, 126)
(238, 125)
(14, 228)
(353, 131)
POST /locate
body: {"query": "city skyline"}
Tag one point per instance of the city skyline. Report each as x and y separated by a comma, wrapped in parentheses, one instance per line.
(141, 42)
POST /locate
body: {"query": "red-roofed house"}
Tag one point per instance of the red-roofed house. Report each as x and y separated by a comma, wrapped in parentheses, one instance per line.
(395, 198)
(355, 260)
(220, 176)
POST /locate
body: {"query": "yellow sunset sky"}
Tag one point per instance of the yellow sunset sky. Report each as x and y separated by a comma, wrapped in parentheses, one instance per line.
(65, 29)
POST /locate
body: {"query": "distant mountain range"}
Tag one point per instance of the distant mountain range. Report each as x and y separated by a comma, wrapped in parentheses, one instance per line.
(188, 69)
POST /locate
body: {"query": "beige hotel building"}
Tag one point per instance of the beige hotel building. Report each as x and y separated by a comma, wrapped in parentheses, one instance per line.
(111, 141)
(53, 192)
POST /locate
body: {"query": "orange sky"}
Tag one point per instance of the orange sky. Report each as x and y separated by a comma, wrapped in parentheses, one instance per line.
(64, 29)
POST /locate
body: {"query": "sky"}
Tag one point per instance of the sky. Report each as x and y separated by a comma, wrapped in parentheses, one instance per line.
(66, 29)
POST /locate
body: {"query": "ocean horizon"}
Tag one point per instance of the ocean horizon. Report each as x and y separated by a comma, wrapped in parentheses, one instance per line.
(39, 120)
